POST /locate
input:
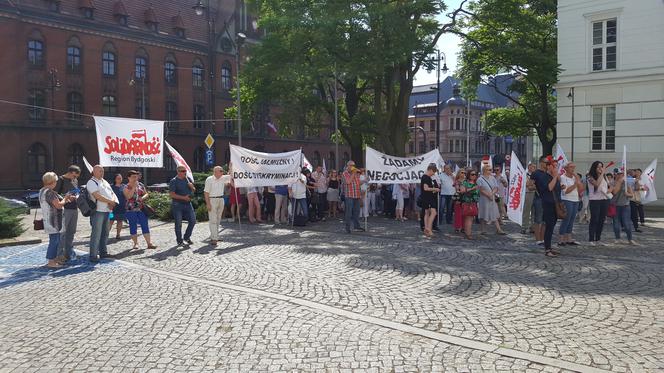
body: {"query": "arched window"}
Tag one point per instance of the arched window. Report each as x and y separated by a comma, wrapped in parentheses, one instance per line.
(317, 159)
(37, 159)
(36, 53)
(226, 76)
(197, 74)
(141, 68)
(74, 62)
(171, 111)
(199, 159)
(76, 153)
(169, 162)
(37, 99)
(333, 160)
(170, 70)
(109, 60)
(74, 105)
(109, 106)
(199, 116)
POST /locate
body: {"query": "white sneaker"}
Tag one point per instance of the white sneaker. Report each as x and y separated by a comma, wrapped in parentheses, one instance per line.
(600, 243)
(634, 243)
(540, 242)
(617, 241)
(592, 243)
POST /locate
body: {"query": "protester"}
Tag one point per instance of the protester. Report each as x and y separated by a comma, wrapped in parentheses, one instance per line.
(621, 196)
(599, 194)
(371, 206)
(584, 214)
(351, 190)
(68, 183)
(571, 188)
(470, 196)
(51, 206)
(181, 190)
(269, 202)
(298, 193)
(398, 191)
(333, 193)
(501, 183)
(100, 191)
(134, 194)
(215, 186)
(119, 209)
(489, 200)
(429, 198)
(458, 215)
(447, 191)
(527, 216)
(281, 204)
(547, 185)
(321, 181)
(254, 206)
(237, 196)
(537, 211)
(636, 207)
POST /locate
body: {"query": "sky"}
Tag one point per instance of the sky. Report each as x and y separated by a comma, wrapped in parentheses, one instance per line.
(448, 44)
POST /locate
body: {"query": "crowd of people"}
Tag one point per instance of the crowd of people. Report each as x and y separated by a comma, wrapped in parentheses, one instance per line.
(468, 200)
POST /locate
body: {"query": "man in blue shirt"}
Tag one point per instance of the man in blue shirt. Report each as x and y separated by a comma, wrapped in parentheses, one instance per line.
(547, 183)
(181, 191)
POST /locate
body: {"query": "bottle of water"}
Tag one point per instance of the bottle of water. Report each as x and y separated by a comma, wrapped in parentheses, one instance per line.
(111, 216)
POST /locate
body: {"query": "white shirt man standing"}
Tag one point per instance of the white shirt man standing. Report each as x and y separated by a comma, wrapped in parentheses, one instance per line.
(100, 191)
(215, 186)
(447, 191)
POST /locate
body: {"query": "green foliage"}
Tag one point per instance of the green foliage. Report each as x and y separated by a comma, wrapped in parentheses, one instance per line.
(517, 37)
(161, 202)
(10, 221)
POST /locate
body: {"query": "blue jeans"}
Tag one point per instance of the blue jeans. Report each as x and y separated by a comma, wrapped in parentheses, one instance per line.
(446, 207)
(53, 242)
(300, 205)
(622, 218)
(183, 211)
(99, 233)
(135, 218)
(567, 224)
(352, 212)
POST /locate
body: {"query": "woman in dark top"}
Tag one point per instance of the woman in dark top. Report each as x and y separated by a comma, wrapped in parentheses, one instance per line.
(119, 209)
(430, 190)
(333, 193)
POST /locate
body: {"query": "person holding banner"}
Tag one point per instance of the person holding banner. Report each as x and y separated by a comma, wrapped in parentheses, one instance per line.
(181, 190)
(352, 194)
(215, 186)
(429, 198)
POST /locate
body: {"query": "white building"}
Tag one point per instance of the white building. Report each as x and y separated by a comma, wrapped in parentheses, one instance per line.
(612, 56)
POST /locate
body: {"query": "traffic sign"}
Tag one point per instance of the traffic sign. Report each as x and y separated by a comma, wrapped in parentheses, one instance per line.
(209, 157)
(209, 141)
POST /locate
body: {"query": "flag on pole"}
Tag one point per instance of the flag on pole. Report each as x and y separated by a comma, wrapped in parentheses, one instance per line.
(179, 161)
(561, 158)
(306, 163)
(648, 183)
(272, 127)
(87, 164)
(516, 190)
(324, 168)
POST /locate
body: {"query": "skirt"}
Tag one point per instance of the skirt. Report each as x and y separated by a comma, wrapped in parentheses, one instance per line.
(332, 195)
(488, 209)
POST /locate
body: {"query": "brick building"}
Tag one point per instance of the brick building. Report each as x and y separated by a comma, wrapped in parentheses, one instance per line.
(113, 57)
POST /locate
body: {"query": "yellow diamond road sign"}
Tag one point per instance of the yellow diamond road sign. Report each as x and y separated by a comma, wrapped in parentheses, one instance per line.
(209, 141)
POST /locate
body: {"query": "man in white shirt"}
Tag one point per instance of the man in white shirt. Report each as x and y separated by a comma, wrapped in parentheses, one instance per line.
(447, 191)
(298, 191)
(100, 191)
(321, 191)
(215, 186)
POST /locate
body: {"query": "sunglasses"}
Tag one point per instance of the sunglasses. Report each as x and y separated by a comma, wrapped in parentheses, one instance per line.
(473, 174)
(182, 170)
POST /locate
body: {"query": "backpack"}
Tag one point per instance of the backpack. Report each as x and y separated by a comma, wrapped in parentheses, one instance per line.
(85, 203)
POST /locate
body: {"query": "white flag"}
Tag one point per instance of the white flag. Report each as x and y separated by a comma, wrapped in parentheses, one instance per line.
(648, 183)
(561, 158)
(324, 168)
(517, 190)
(306, 163)
(87, 164)
(179, 161)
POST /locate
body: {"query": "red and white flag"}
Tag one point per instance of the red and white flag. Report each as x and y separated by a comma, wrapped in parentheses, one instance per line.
(648, 183)
(516, 191)
(87, 164)
(272, 127)
(561, 158)
(179, 161)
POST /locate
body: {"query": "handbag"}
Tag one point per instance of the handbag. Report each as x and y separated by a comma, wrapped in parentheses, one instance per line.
(38, 224)
(611, 211)
(561, 210)
(148, 210)
(469, 209)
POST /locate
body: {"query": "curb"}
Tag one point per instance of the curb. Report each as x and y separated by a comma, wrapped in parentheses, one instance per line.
(14, 242)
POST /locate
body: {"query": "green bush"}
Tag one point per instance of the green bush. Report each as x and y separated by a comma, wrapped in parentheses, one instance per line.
(11, 224)
(161, 202)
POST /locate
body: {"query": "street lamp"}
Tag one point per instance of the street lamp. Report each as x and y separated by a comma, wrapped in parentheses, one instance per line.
(238, 43)
(132, 82)
(54, 85)
(424, 134)
(570, 96)
(199, 9)
(444, 69)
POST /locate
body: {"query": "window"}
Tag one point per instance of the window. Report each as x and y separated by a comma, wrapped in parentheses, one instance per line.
(36, 53)
(179, 32)
(604, 128)
(432, 125)
(333, 160)
(197, 76)
(199, 116)
(108, 64)
(109, 106)
(199, 159)
(37, 159)
(169, 73)
(88, 13)
(604, 45)
(169, 163)
(458, 124)
(76, 154)
(457, 146)
(451, 123)
(139, 108)
(451, 146)
(153, 26)
(422, 146)
(411, 148)
(229, 127)
(141, 68)
(37, 99)
(432, 145)
(73, 59)
(74, 105)
(122, 19)
(317, 159)
(422, 124)
(171, 111)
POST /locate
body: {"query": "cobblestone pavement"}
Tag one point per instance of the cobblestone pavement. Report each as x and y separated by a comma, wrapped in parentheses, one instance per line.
(278, 299)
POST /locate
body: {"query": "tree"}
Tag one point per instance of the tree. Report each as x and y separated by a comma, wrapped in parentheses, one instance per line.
(517, 37)
(370, 50)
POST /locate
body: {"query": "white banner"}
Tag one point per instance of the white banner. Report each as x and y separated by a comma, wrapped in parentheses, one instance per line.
(179, 161)
(256, 169)
(648, 182)
(387, 169)
(126, 142)
(517, 190)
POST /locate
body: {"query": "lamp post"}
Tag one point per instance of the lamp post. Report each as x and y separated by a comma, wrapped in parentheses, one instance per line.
(570, 96)
(140, 76)
(54, 85)
(238, 44)
(424, 135)
(199, 8)
(444, 69)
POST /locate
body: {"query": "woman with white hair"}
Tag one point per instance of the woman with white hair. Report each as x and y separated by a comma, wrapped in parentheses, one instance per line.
(51, 205)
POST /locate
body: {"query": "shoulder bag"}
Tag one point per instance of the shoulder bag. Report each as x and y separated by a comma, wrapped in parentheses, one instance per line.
(38, 224)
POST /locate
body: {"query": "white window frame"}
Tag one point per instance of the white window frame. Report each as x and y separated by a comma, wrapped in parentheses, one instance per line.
(604, 127)
(603, 45)
(602, 16)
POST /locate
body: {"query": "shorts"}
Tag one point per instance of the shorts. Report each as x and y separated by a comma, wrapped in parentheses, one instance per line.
(538, 211)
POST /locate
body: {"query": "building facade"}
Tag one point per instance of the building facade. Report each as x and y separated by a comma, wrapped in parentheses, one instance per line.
(126, 59)
(462, 133)
(611, 89)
